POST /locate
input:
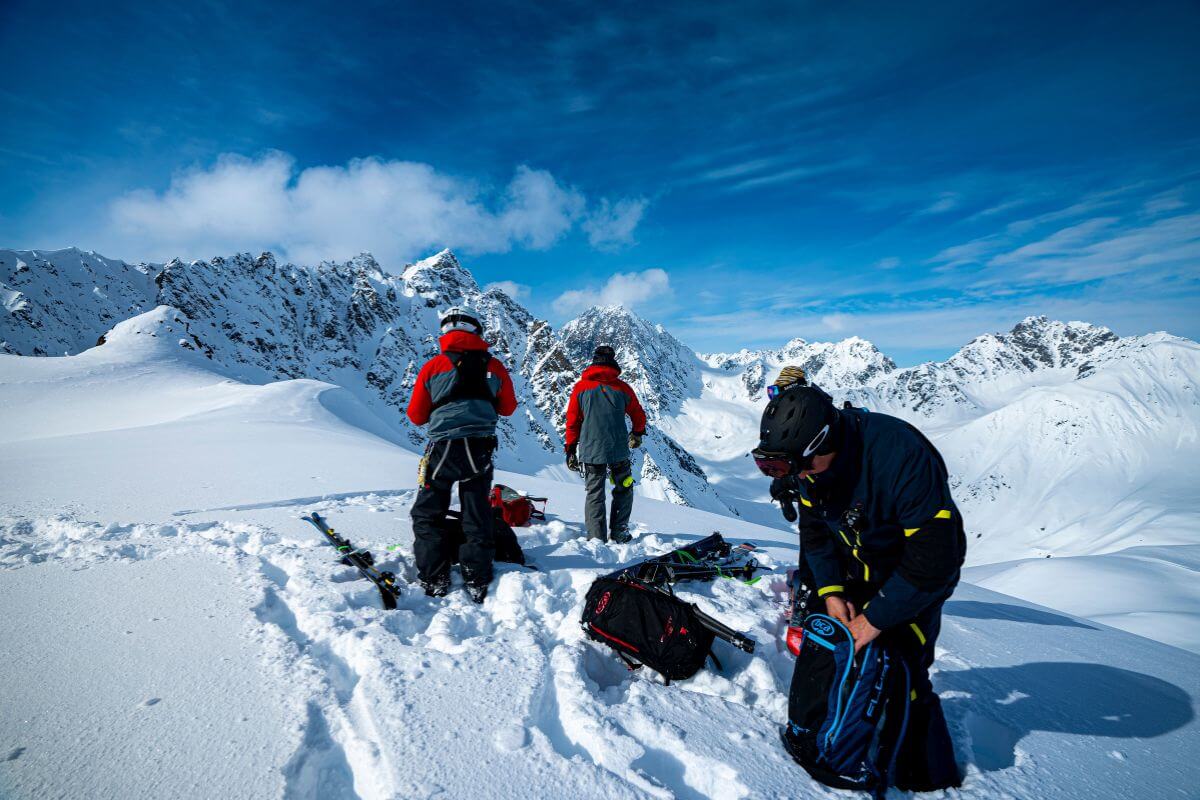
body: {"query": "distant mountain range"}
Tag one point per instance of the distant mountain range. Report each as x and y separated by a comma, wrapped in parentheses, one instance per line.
(1046, 407)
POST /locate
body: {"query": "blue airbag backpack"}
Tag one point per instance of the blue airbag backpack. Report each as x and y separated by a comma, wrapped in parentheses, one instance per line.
(847, 715)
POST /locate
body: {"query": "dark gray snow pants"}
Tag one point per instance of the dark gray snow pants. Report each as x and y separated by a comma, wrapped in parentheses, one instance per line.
(622, 498)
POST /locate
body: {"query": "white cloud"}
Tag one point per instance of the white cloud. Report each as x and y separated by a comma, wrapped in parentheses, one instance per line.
(396, 210)
(612, 224)
(890, 262)
(627, 289)
(836, 322)
(947, 201)
(517, 291)
(1165, 201)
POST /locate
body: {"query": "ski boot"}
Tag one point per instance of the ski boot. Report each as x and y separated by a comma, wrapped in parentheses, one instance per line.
(437, 587)
(622, 536)
(476, 586)
(477, 592)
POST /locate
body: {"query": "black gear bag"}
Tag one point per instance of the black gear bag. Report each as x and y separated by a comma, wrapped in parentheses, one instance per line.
(508, 549)
(648, 625)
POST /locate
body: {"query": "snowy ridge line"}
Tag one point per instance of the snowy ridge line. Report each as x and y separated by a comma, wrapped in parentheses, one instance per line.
(367, 496)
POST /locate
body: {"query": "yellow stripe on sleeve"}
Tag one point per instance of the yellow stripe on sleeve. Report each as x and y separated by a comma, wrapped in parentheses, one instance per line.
(917, 631)
(943, 514)
(824, 590)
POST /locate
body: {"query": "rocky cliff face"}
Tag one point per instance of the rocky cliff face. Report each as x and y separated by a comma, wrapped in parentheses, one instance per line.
(60, 302)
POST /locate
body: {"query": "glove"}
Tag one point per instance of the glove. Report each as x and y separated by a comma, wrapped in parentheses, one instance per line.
(783, 491)
(573, 460)
(783, 488)
(635, 441)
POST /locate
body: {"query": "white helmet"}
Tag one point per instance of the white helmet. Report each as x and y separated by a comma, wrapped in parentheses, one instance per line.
(460, 318)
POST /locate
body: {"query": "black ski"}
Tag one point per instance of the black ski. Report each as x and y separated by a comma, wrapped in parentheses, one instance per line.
(704, 560)
(362, 560)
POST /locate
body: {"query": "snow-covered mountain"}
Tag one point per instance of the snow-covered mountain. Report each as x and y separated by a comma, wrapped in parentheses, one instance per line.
(62, 301)
(1064, 442)
(366, 330)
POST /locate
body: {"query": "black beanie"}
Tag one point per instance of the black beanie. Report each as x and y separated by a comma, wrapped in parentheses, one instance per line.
(605, 356)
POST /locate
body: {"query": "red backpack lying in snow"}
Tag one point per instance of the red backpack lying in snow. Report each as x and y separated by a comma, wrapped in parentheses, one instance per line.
(518, 508)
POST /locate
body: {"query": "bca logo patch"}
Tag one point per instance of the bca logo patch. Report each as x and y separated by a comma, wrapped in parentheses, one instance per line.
(823, 627)
(603, 604)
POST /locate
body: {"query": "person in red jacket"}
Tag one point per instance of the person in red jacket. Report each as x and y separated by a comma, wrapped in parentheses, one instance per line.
(460, 394)
(598, 443)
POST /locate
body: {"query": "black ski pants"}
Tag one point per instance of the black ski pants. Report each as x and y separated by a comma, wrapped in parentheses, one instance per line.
(468, 463)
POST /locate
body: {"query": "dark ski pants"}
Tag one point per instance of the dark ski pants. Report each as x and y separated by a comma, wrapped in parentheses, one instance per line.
(468, 463)
(926, 759)
(594, 476)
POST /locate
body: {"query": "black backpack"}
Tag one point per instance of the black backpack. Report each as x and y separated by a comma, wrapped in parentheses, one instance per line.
(470, 378)
(508, 549)
(646, 625)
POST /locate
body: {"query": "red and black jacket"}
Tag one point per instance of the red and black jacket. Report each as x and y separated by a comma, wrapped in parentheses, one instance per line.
(596, 415)
(462, 391)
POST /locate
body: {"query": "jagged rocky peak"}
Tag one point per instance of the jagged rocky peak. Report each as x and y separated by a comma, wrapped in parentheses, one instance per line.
(850, 363)
(440, 277)
(1034, 343)
(58, 302)
(619, 327)
(661, 369)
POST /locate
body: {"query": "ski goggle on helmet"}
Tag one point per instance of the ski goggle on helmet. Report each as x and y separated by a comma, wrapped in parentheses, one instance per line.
(797, 425)
(788, 377)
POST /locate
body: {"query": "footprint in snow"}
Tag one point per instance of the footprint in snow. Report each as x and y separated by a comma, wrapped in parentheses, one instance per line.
(153, 701)
(510, 738)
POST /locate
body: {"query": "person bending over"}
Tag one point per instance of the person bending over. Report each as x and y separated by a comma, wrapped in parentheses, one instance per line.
(882, 538)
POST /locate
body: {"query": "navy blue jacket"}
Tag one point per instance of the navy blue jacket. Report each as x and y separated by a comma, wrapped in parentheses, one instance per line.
(882, 515)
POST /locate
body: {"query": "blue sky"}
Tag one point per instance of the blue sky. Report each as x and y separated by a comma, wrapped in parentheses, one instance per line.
(915, 174)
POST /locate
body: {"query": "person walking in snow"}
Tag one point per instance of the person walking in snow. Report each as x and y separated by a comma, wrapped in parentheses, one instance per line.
(598, 442)
(883, 541)
(460, 395)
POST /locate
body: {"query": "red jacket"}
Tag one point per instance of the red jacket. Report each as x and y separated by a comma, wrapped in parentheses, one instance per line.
(596, 415)
(435, 379)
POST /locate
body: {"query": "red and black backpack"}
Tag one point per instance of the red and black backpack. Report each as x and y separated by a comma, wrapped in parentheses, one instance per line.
(646, 625)
(518, 509)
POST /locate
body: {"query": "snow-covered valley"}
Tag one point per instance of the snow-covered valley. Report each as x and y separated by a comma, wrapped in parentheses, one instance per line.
(174, 630)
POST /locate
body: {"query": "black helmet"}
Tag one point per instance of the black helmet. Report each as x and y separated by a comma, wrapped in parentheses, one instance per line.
(799, 423)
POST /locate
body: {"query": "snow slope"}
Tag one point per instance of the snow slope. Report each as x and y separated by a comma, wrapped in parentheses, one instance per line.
(1063, 439)
(174, 630)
